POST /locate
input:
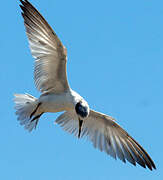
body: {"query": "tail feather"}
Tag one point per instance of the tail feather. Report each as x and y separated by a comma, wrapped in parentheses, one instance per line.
(25, 104)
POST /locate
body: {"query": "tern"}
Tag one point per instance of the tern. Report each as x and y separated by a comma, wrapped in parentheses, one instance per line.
(51, 79)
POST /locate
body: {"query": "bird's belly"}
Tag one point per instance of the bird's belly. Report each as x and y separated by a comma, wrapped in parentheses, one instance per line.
(53, 107)
(55, 103)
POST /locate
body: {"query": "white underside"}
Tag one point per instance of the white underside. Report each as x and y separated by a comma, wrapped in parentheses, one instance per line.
(51, 102)
(29, 109)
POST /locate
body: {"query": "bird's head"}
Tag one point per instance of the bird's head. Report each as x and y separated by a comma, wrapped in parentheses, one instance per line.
(82, 109)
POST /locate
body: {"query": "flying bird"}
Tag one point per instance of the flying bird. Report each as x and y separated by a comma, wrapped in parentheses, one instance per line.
(50, 78)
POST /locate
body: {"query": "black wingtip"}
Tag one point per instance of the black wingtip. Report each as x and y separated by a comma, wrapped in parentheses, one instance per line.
(154, 167)
(21, 6)
(24, 2)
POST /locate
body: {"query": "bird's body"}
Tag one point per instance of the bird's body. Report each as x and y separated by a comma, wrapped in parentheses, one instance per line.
(51, 79)
(51, 102)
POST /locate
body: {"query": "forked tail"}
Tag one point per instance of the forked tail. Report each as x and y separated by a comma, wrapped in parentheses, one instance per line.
(26, 109)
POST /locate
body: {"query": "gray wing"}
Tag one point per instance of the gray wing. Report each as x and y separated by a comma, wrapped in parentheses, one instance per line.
(107, 136)
(49, 53)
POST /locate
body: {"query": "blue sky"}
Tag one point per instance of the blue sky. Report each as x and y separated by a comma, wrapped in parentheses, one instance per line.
(115, 61)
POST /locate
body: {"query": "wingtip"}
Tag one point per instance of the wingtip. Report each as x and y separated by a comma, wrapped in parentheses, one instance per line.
(21, 6)
(150, 167)
(22, 2)
(154, 167)
(145, 166)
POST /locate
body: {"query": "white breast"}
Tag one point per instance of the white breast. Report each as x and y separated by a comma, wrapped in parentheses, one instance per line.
(57, 102)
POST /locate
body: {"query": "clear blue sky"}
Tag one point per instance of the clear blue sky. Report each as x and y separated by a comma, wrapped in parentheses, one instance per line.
(115, 61)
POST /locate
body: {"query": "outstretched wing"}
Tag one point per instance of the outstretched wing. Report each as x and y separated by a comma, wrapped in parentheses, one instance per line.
(49, 53)
(107, 136)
